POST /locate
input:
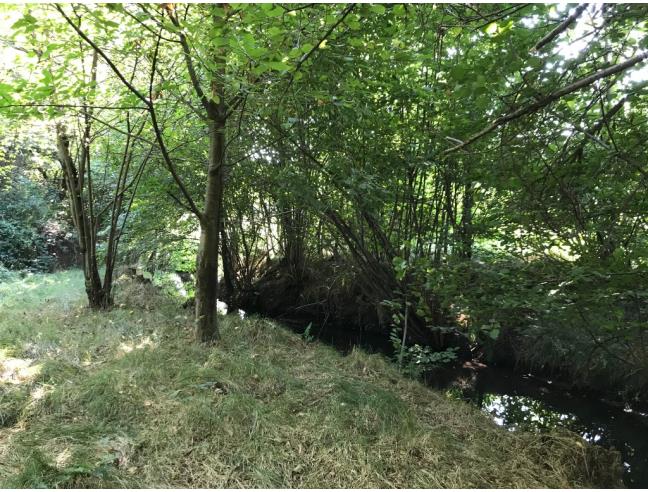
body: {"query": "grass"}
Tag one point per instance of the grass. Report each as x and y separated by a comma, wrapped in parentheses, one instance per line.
(126, 399)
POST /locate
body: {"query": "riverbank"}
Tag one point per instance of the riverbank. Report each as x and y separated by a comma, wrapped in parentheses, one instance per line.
(519, 400)
(125, 399)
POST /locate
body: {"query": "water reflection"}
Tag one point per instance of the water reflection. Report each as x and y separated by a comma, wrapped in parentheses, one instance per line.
(519, 403)
(524, 413)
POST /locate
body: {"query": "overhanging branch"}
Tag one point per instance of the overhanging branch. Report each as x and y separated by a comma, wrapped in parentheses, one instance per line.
(554, 96)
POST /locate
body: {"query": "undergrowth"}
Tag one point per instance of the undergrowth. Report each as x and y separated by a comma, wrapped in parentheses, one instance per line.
(125, 398)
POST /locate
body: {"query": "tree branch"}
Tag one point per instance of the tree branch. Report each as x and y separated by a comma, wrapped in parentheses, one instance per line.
(114, 68)
(554, 96)
(344, 15)
(188, 61)
(149, 106)
(561, 28)
(73, 106)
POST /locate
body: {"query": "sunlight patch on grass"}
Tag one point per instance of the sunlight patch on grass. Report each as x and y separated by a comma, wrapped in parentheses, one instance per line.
(127, 347)
(18, 371)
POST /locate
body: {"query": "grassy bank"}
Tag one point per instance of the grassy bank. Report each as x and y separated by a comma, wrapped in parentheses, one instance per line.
(126, 399)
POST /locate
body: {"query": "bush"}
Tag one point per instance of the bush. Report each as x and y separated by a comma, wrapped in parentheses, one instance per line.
(585, 321)
(24, 211)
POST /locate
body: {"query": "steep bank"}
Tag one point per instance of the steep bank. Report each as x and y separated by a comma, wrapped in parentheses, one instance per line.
(124, 399)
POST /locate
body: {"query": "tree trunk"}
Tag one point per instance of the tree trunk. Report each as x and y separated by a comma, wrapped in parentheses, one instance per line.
(465, 230)
(207, 261)
(98, 297)
(210, 219)
(292, 240)
(228, 270)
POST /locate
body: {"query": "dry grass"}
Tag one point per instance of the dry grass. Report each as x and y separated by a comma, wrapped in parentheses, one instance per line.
(126, 399)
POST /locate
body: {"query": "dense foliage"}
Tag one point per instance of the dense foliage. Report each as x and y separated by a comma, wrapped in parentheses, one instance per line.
(453, 169)
(32, 228)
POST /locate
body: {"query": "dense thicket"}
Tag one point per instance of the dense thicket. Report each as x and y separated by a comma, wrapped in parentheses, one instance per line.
(445, 170)
(34, 235)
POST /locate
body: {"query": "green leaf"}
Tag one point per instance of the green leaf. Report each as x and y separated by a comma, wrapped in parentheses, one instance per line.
(110, 23)
(275, 12)
(536, 62)
(6, 89)
(458, 72)
(306, 47)
(491, 29)
(278, 65)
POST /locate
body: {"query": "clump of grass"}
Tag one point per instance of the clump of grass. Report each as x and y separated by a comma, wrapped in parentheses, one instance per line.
(126, 399)
(12, 402)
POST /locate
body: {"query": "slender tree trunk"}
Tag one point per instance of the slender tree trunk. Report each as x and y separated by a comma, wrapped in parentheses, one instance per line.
(292, 235)
(98, 298)
(207, 261)
(228, 270)
(466, 234)
(210, 220)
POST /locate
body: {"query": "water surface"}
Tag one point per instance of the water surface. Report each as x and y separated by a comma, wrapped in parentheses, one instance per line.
(527, 403)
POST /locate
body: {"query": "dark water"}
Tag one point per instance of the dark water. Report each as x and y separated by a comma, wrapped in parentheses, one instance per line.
(527, 403)
(524, 402)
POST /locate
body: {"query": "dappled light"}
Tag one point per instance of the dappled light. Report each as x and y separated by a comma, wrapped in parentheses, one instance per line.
(17, 371)
(63, 458)
(38, 393)
(329, 245)
(145, 342)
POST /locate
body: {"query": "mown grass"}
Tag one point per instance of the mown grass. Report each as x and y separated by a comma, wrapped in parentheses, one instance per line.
(126, 399)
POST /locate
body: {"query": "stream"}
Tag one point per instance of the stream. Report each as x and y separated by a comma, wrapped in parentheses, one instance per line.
(525, 402)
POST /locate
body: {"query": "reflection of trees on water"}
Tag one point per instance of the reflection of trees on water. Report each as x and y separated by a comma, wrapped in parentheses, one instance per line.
(528, 414)
(524, 413)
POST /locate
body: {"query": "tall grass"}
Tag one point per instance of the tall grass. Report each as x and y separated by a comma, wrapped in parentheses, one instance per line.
(125, 398)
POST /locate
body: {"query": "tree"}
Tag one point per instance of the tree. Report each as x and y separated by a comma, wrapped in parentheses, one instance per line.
(99, 182)
(384, 154)
(252, 66)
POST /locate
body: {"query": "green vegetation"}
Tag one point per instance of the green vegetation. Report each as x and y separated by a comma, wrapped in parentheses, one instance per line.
(125, 399)
(485, 166)
(28, 202)
(463, 183)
